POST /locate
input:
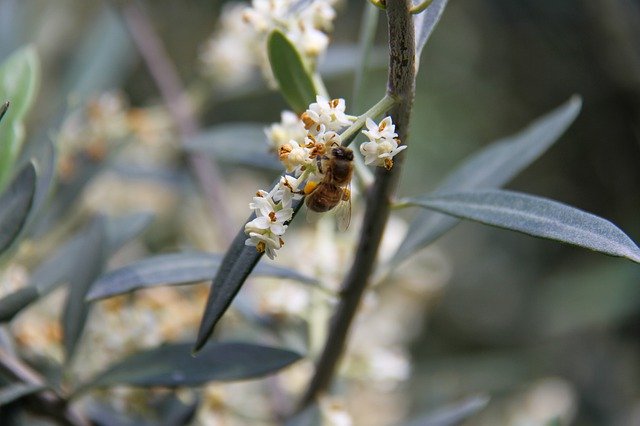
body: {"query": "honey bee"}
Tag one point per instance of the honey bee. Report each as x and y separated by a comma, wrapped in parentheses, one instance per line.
(333, 190)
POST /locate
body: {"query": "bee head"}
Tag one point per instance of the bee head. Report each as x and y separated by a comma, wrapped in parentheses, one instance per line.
(342, 153)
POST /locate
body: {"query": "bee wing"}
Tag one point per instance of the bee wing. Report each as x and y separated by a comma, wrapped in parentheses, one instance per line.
(312, 216)
(343, 210)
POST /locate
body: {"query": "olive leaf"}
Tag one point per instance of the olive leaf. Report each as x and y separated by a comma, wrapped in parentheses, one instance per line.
(453, 414)
(294, 80)
(491, 167)
(535, 216)
(19, 80)
(15, 204)
(174, 269)
(425, 22)
(172, 365)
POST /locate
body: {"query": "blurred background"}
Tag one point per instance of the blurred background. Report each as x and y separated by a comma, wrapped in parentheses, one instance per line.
(540, 327)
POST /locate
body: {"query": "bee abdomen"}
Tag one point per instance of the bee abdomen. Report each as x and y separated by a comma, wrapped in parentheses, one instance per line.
(325, 197)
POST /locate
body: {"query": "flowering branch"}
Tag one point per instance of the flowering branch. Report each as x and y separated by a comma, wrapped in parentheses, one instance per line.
(175, 98)
(401, 85)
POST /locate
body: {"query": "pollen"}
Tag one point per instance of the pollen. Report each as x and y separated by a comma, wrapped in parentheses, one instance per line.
(333, 103)
(284, 151)
(388, 163)
(281, 242)
(261, 247)
(309, 187)
(272, 216)
(307, 120)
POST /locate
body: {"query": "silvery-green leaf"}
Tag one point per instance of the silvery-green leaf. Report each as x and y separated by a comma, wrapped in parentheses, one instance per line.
(3, 109)
(15, 391)
(236, 143)
(121, 230)
(491, 167)
(536, 216)
(174, 269)
(452, 415)
(89, 263)
(15, 204)
(236, 266)
(294, 80)
(310, 416)
(425, 22)
(19, 80)
(14, 302)
(172, 365)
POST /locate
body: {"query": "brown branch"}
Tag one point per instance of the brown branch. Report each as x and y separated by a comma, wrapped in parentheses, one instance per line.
(166, 77)
(401, 85)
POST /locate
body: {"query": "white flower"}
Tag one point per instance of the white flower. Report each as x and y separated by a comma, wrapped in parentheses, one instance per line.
(289, 128)
(311, 41)
(384, 130)
(294, 156)
(265, 243)
(329, 113)
(269, 216)
(382, 145)
(287, 190)
(229, 56)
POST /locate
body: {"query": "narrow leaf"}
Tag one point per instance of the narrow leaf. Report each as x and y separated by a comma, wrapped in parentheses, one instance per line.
(15, 391)
(452, 415)
(294, 80)
(236, 266)
(236, 143)
(491, 167)
(15, 204)
(536, 216)
(425, 22)
(172, 365)
(123, 229)
(14, 302)
(90, 264)
(173, 269)
(3, 109)
(19, 79)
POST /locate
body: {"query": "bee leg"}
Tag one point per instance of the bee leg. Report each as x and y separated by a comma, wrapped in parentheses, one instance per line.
(319, 161)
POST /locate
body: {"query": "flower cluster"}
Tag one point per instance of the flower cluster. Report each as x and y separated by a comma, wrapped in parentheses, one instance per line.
(237, 47)
(299, 141)
(383, 143)
(273, 211)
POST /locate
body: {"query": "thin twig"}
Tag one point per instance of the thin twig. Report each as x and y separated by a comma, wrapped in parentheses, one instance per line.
(401, 84)
(166, 77)
(45, 402)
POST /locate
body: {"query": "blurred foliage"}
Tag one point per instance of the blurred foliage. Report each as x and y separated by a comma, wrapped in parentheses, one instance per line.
(519, 319)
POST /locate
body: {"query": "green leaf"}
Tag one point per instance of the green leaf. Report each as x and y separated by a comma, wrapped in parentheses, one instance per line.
(15, 204)
(89, 263)
(452, 415)
(536, 216)
(425, 22)
(289, 70)
(123, 229)
(236, 143)
(491, 167)
(14, 302)
(174, 269)
(15, 391)
(19, 80)
(3, 109)
(236, 266)
(172, 365)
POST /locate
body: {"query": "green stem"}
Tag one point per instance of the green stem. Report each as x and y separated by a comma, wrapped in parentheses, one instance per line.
(380, 108)
(421, 7)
